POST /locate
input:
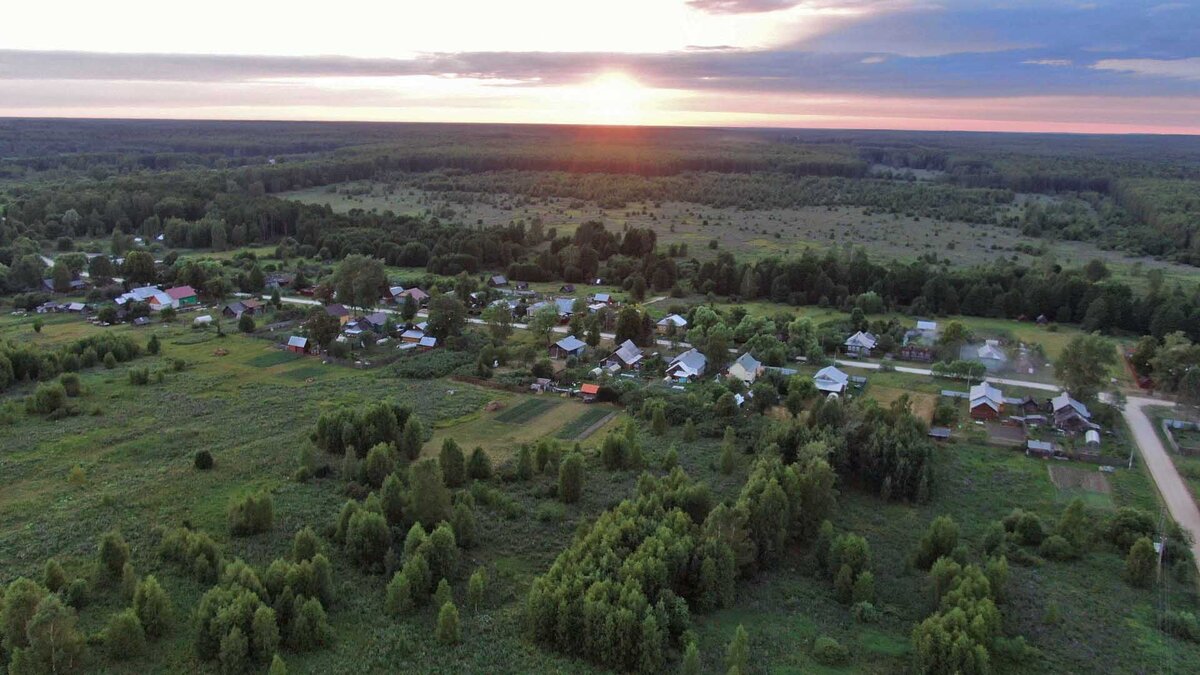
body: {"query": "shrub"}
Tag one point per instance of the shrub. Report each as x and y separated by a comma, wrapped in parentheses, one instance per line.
(1140, 564)
(77, 476)
(203, 460)
(368, 539)
(310, 627)
(939, 540)
(71, 384)
(378, 465)
(114, 553)
(524, 463)
(152, 607)
(153, 346)
(124, 637)
(76, 593)
(110, 361)
(829, 652)
(139, 376)
(476, 586)
(866, 612)
(570, 478)
(246, 323)
(447, 625)
(53, 576)
(399, 595)
(251, 514)
(1180, 624)
(1055, 547)
(1127, 525)
(305, 544)
(1026, 526)
(46, 399)
(462, 520)
(480, 466)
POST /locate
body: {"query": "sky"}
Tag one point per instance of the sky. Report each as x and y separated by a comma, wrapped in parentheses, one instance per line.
(1104, 66)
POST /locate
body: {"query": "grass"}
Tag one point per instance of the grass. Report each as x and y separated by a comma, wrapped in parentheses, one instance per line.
(526, 410)
(273, 358)
(137, 460)
(585, 421)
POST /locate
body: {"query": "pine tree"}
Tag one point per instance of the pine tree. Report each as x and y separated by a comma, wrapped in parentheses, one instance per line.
(399, 595)
(736, 656)
(305, 544)
(689, 431)
(570, 478)
(480, 466)
(691, 660)
(153, 607)
(453, 466)
(443, 594)
(114, 553)
(475, 589)
(658, 422)
(430, 497)
(524, 463)
(728, 458)
(124, 637)
(447, 626)
(413, 438)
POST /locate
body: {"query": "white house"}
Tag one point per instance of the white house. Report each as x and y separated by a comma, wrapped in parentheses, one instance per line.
(831, 380)
(746, 368)
(861, 344)
(666, 323)
(688, 365)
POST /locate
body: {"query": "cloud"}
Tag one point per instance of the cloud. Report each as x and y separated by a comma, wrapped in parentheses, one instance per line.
(741, 6)
(1061, 63)
(1183, 69)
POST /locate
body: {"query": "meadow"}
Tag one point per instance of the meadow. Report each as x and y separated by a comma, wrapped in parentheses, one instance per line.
(253, 408)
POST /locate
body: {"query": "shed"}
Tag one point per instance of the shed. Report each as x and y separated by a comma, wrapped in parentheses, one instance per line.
(939, 433)
(831, 380)
(567, 347)
(297, 344)
(589, 392)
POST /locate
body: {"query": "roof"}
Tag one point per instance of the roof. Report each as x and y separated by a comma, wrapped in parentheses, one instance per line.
(675, 319)
(413, 334)
(499, 279)
(992, 352)
(939, 432)
(376, 319)
(628, 353)
(1064, 400)
(689, 363)
(590, 389)
(395, 290)
(927, 325)
(831, 374)
(565, 305)
(337, 310)
(602, 297)
(570, 344)
(862, 340)
(985, 394)
(415, 294)
(428, 341)
(181, 292)
(297, 341)
(141, 321)
(76, 307)
(1044, 446)
(748, 363)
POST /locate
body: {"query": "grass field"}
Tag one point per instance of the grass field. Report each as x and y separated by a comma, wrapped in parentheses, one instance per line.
(586, 420)
(526, 410)
(255, 416)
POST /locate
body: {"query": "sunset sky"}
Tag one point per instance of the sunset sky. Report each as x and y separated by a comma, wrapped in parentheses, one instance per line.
(1050, 65)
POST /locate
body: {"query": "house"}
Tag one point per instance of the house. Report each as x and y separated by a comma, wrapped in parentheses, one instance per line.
(939, 433)
(1071, 415)
(277, 280)
(603, 297)
(1028, 405)
(589, 392)
(566, 288)
(989, 354)
(183, 296)
(297, 344)
(1036, 448)
(565, 307)
(627, 357)
(235, 309)
(746, 368)
(152, 296)
(77, 307)
(986, 401)
(687, 366)
(339, 312)
(666, 324)
(860, 344)
(418, 295)
(831, 380)
(376, 322)
(497, 281)
(412, 336)
(567, 347)
(920, 343)
(395, 294)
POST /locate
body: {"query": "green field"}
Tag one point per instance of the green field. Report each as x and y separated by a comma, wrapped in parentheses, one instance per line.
(526, 410)
(273, 359)
(585, 421)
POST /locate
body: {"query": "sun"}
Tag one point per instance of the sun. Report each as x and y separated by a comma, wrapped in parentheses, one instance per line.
(615, 98)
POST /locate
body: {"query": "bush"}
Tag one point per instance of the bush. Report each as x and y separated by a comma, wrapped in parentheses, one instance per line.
(124, 637)
(570, 478)
(378, 465)
(368, 539)
(251, 514)
(829, 652)
(46, 399)
(110, 361)
(939, 541)
(114, 553)
(447, 625)
(71, 384)
(1026, 526)
(76, 593)
(246, 323)
(305, 545)
(203, 460)
(1128, 525)
(1182, 625)
(399, 595)
(152, 607)
(480, 466)
(1140, 564)
(139, 376)
(866, 612)
(1055, 547)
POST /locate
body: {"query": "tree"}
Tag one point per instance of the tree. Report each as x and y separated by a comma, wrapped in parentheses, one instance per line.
(447, 316)
(20, 602)
(114, 553)
(305, 544)
(53, 576)
(939, 540)
(691, 660)
(322, 327)
(60, 276)
(153, 346)
(629, 325)
(392, 499)
(462, 519)
(447, 625)
(542, 323)
(412, 438)
(54, 643)
(368, 539)
(139, 267)
(278, 667)
(689, 431)
(1084, 365)
(737, 654)
(246, 323)
(570, 478)
(152, 607)
(453, 464)
(399, 595)
(1141, 563)
(524, 463)
(359, 281)
(475, 588)
(124, 637)
(658, 421)
(264, 633)
(728, 458)
(430, 497)
(251, 514)
(379, 464)
(480, 466)
(498, 318)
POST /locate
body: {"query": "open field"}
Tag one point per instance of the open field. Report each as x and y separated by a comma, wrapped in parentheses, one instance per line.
(586, 420)
(749, 233)
(526, 410)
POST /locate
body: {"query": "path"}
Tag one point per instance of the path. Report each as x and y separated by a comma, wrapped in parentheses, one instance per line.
(925, 371)
(1170, 484)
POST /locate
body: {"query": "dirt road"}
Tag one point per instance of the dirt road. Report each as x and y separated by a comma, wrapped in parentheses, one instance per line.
(1170, 484)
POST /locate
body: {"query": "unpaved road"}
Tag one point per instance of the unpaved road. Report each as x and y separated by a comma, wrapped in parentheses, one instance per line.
(1170, 484)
